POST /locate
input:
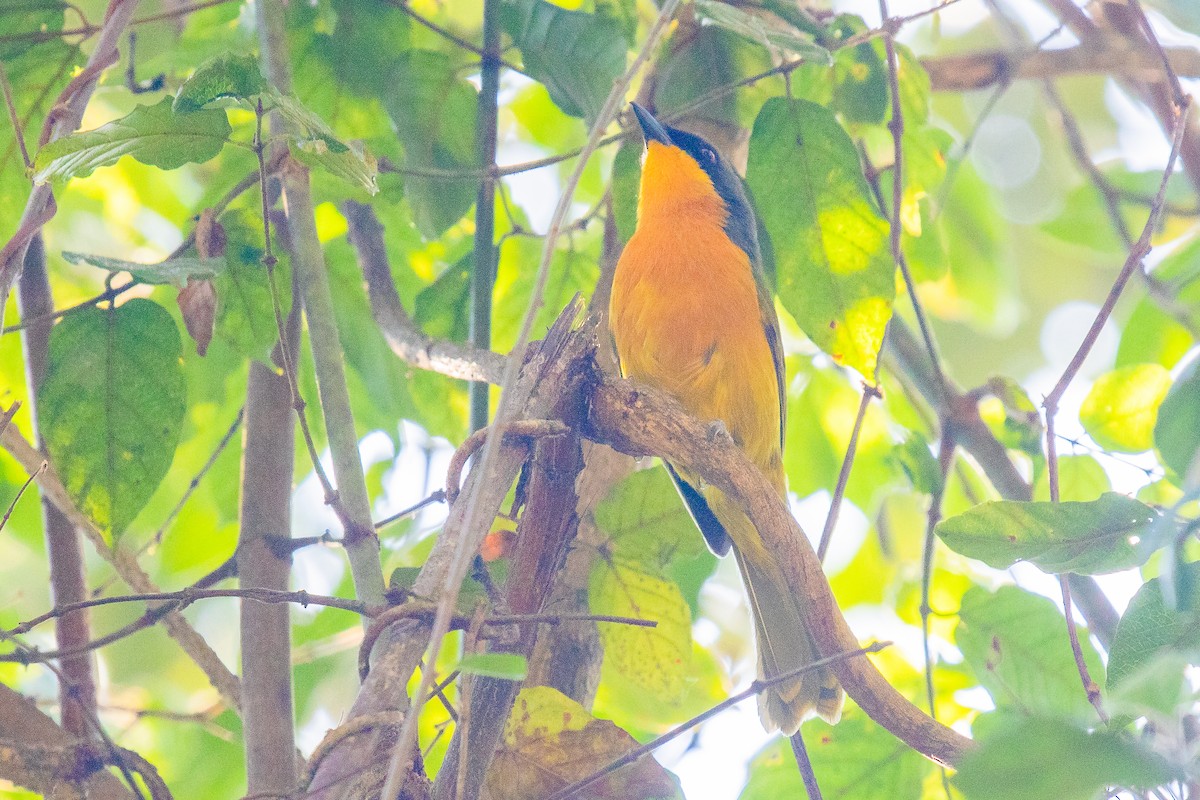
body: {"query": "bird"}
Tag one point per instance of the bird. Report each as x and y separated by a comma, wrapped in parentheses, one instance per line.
(690, 314)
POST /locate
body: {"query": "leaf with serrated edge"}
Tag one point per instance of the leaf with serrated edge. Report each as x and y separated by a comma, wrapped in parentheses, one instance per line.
(153, 135)
(173, 271)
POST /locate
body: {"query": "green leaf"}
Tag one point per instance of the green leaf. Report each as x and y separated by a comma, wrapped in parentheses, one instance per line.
(433, 110)
(352, 163)
(648, 525)
(112, 406)
(509, 666)
(173, 271)
(1122, 407)
(1177, 431)
(245, 312)
(757, 29)
(860, 80)
(226, 75)
(836, 275)
(442, 309)
(313, 141)
(153, 135)
(1080, 477)
(854, 759)
(1016, 644)
(577, 56)
(655, 658)
(918, 463)
(1150, 628)
(1089, 538)
(626, 186)
(1051, 759)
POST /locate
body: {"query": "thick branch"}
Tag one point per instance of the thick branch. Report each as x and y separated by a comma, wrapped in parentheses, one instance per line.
(403, 335)
(362, 545)
(265, 514)
(64, 551)
(983, 68)
(39, 755)
(639, 420)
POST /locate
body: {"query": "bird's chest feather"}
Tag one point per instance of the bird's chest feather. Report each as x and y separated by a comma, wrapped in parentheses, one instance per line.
(686, 319)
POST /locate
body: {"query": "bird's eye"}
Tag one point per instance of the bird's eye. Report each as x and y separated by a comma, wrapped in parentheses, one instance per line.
(709, 155)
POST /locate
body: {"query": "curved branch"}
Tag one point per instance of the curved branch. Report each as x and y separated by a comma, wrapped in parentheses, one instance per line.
(638, 420)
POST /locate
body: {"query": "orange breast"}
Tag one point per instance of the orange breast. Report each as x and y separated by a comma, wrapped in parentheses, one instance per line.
(686, 319)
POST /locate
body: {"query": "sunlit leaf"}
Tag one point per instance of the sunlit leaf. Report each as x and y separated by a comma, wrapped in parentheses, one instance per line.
(1051, 759)
(853, 759)
(154, 135)
(1122, 407)
(577, 56)
(1016, 644)
(1080, 477)
(836, 275)
(550, 742)
(1151, 628)
(655, 658)
(1090, 538)
(111, 407)
(649, 525)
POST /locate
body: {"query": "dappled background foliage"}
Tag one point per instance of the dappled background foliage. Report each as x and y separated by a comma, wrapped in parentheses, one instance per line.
(1034, 141)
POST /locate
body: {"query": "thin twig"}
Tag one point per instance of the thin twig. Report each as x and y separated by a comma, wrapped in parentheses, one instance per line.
(13, 117)
(438, 496)
(194, 484)
(17, 497)
(1172, 79)
(896, 127)
(1089, 685)
(755, 688)
(839, 491)
(800, 752)
(1138, 252)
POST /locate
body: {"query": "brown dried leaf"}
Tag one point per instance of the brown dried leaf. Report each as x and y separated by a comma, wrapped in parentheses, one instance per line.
(550, 742)
(198, 304)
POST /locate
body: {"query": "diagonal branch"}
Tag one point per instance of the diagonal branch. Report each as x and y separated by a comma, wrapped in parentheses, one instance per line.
(124, 563)
(66, 116)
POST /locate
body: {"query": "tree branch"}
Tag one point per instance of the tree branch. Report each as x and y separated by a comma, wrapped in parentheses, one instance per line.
(123, 563)
(65, 117)
(638, 420)
(983, 68)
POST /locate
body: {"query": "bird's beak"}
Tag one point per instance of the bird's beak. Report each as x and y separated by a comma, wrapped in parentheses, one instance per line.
(652, 129)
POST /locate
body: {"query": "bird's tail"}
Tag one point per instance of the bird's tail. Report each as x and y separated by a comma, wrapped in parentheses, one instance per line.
(784, 644)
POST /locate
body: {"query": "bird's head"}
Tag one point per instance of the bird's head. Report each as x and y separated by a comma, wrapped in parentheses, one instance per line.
(684, 177)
